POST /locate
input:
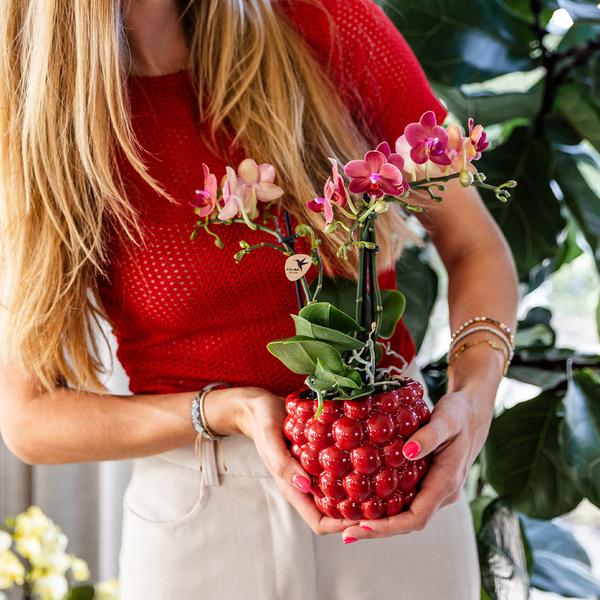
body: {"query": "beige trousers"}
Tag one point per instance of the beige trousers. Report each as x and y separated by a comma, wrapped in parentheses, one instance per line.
(215, 527)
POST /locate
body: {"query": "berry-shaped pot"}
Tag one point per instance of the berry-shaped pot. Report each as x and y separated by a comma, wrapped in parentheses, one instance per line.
(353, 450)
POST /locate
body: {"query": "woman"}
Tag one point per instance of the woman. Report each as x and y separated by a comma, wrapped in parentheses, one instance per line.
(109, 110)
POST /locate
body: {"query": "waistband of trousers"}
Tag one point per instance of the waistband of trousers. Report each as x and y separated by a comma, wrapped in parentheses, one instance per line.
(237, 454)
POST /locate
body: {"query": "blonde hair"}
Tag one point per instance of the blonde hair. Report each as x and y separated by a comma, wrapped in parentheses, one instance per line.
(63, 115)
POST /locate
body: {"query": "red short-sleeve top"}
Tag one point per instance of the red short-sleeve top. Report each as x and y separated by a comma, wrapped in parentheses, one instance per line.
(184, 313)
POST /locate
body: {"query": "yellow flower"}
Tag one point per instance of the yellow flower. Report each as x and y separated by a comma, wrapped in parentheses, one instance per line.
(5, 541)
(29, 547)
(32, 522)
(51, 587)
(106, 590)
(11, 570)
(79, 568)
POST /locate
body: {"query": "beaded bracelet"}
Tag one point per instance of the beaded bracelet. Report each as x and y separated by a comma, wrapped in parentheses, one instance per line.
(197, 410)
(484, 319)
(498, 333)
(491, 343)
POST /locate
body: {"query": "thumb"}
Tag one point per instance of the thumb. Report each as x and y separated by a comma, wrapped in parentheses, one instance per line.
(425, 440)
(283, 465)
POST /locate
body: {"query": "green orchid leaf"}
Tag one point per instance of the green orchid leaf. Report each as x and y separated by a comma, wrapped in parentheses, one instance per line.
(580, 430)
(522, 459)
(580, 111)
(300, 354)
(326, 380)
(393, 303)
(337, 339)
(81, 592)
(366, 390)
(326, 314)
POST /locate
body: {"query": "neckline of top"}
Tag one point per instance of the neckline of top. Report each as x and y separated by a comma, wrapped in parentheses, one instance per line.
(181, 74)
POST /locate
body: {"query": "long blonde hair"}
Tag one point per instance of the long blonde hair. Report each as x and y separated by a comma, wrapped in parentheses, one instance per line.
(64, 112)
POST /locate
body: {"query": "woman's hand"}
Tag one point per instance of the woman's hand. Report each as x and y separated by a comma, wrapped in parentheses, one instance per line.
(455, 434)
(259, 415)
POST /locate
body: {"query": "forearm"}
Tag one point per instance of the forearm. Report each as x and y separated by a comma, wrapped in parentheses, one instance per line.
(65, 426)
(481, 283)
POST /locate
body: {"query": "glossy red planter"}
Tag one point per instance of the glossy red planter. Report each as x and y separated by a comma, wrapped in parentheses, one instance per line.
(353, 451)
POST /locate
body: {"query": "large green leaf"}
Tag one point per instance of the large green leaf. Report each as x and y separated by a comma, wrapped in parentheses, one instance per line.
(535, 331)
(580, 430)
(324, 379)
(501, 554)
(340, 341)
(419, 284)
(300, 354)
(560, 564)
(464, 41)
(393, 303)
(328, 315)
(582, 200)
(522, 461)
(531, 220)
(489, 108)
(81, 592)
(577, 107)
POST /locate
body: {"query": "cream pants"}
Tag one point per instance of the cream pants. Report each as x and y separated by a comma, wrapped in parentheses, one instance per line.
(215, 527)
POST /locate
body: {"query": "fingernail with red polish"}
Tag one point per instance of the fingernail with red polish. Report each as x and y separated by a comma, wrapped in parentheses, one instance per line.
(366, 528)
(411, 449)
(301, 483)
(350, 540)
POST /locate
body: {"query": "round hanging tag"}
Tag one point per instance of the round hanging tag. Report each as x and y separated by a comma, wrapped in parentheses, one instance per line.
(297, 265)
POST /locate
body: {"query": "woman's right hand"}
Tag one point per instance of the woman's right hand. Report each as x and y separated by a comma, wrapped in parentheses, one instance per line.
(259, 415)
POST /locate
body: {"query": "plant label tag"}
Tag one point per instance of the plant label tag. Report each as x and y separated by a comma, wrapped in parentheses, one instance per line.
(297, 266)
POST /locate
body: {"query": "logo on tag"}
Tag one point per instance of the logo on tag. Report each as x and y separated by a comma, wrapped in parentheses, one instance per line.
(297, 266)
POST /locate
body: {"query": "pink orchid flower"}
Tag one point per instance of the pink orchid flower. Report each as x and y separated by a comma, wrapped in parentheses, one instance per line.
(324, 204)
(374, 175)
(205, 199)
(340, 194)
(428, 140)
(395, 159)
(478, 139)
(235, 194)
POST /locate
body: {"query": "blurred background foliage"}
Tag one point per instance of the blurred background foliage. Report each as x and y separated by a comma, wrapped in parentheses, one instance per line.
(529, 71)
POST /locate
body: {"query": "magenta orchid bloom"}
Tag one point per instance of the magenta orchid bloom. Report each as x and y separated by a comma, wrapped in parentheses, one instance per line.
(375, 175)
(395, 159)
(428, 140)
(324, 204)
(205, 200)
(478, 139)
(340, 194)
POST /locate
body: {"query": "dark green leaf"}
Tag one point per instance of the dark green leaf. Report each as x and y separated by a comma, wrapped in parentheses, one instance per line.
(501, 554)
(340, 293)
(576, 106)
(340, 341)
(522, 461)
(300, 354)
(578, 35)
(580, 431)
(489, 108)
(329, 315)
(535, 331)
(462, 41)
(81, 592)
(478, 506)
(542, 378)
(393, 308)
(326, 380)
(531, 220)
(419, 284)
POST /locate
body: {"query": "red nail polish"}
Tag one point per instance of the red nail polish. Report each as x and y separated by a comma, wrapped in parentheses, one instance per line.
(302, 483)
(411, 449)
(366, 528)
(350, 540)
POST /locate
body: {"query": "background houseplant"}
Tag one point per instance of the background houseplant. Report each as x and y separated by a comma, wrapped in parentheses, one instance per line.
(536, 76)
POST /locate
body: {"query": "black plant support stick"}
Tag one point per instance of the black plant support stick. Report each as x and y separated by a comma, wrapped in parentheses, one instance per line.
(288, 232)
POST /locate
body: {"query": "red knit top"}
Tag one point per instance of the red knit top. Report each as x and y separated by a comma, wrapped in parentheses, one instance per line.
(183, 312)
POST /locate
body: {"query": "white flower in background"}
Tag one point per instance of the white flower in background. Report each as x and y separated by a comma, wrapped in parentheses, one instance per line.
(29, 547)
(5, 541)
(106, 590)
(31, 523)
(56, 563)
(79, 568)
(11, 570)
(51, 587)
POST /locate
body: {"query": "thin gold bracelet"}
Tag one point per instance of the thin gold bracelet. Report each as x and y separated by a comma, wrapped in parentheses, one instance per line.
(479, 328)
(484, 319)
(490, 342)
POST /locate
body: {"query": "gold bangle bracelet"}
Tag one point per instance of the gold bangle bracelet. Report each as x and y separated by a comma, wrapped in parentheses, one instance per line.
(480, 328)
(485, 319)
(490, 342)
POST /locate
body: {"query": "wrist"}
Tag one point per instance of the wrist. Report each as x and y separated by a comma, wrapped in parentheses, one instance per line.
(221, 408)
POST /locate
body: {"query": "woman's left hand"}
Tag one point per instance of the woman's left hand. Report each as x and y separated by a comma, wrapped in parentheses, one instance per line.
(455, 434)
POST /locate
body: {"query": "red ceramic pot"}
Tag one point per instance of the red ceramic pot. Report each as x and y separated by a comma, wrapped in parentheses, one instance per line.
(353, 450)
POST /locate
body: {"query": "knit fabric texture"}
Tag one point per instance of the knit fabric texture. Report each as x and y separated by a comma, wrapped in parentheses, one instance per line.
(183, 312)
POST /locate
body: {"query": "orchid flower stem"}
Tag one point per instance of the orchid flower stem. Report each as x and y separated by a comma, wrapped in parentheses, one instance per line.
(432, 180)
(256, 226)
(349, 215)
(367, 213)
(317, 258)
(351, 205)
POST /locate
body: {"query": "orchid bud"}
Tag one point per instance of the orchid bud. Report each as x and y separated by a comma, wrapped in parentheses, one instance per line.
(244, 244)
(381, 206)
(219, 243)
(331, 228)
(466, 178)
(511, 183)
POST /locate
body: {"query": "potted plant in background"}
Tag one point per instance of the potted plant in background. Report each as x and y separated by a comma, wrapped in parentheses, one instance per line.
(348, 424)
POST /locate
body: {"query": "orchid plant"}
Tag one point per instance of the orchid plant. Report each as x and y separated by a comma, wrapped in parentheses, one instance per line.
(339, 352)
